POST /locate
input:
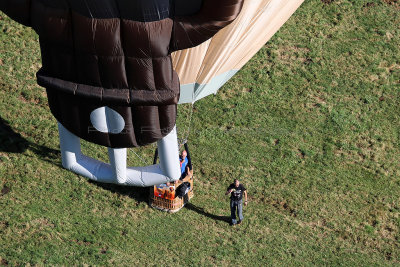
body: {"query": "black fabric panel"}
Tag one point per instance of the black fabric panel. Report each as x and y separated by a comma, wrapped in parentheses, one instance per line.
(166, 120)
(137, 10)
(140, 73)
(95, 8)
(18, 10)
(163, 68)
(128, 133)
(116, 53)
(190, 31)
(135, 39)
(58, 4)
(159, 36)
(83, 29)
(187, 7)
(87, 69)
(124, 97)
(112, 72)
(144, 10)
(149, 125)
(143, 124)
(107, 37)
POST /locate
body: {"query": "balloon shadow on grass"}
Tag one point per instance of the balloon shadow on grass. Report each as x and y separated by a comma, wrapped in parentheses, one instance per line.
(201, 211)
(140, 194)
(13, 142)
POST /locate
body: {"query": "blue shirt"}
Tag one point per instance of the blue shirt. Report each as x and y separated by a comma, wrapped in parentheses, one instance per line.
(183, 165)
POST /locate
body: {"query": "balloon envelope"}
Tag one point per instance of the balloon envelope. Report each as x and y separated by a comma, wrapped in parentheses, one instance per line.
(206, 68)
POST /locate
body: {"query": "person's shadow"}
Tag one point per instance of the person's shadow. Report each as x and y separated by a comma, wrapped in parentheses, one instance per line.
(201, 211)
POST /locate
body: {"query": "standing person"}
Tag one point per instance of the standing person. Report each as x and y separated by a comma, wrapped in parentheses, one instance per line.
(183, 161)
(237, 190)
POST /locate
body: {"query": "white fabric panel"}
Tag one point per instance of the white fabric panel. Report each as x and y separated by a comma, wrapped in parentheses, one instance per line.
(192, 92)
(168, 152)
(107, 120)
(118, 158)
(187, 93)
(168, 170)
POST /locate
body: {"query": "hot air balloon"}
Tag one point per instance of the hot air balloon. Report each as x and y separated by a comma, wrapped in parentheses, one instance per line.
(110, 78)
(206, 68)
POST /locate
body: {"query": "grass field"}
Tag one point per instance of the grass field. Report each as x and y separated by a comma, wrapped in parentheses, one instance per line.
(311, 126)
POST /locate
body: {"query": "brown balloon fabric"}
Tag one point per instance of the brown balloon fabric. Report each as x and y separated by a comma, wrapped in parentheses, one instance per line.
(117, 53)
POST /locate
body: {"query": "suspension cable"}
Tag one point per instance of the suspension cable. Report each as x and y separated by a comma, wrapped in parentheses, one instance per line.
(186, 133)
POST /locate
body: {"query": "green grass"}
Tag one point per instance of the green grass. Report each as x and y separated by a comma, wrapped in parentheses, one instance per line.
(311, 125)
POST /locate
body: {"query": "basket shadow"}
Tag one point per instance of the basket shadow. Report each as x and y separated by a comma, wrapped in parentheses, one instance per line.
(201, 211)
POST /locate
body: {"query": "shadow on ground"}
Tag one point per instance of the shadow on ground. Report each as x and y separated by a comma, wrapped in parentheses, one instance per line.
(140, 194)
(12, 142)
(201, 211)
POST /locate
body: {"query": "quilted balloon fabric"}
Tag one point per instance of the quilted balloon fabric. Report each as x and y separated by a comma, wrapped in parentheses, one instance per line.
(117, 53)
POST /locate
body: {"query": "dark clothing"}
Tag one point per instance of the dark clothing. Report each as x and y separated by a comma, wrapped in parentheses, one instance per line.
(117, 53)
(183, 189)
(236, 206)
(237, 193)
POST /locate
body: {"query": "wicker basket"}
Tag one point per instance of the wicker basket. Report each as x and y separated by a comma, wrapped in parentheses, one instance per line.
(171, 205)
